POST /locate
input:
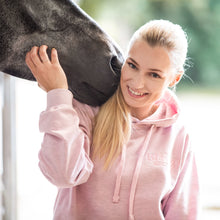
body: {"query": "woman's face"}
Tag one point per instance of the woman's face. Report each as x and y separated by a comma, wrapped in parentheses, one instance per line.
(145, 75)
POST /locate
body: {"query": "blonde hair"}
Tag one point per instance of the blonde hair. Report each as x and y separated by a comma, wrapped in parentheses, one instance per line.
(112, 128)
(165, 34)
(112, 125)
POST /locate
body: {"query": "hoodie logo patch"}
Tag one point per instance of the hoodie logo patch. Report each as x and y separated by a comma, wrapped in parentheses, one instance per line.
(161, 159)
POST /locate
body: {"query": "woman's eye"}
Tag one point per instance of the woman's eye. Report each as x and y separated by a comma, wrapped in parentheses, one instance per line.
(132, 65)
(155, 75)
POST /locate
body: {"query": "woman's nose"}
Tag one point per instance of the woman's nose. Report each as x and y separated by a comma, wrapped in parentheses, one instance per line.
(139, 81)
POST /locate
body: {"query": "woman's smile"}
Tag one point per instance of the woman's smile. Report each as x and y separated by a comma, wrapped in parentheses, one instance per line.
(136, 94)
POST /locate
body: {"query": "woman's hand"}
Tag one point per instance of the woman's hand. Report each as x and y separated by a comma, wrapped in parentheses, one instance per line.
(48, 73)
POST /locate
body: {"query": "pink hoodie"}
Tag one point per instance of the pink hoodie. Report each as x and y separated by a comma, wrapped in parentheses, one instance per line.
(154, 178)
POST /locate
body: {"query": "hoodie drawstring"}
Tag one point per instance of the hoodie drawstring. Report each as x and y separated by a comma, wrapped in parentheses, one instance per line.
(116, 196)
(137, 172)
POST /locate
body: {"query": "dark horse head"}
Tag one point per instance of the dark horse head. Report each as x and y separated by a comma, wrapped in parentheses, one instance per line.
(89, 57)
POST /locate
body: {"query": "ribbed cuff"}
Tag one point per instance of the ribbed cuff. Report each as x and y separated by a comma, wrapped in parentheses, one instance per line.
(58, 97)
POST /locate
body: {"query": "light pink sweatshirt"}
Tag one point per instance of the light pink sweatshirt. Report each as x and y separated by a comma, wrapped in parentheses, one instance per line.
(154, 178)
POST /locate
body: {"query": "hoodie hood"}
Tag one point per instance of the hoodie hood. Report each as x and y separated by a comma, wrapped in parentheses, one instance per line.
(166, 114)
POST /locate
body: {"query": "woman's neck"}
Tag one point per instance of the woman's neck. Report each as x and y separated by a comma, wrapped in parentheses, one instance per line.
(144, 113)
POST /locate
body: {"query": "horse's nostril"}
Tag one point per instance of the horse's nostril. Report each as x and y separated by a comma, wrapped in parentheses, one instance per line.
(115, 65)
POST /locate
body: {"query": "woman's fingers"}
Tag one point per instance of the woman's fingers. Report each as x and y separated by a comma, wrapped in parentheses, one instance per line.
(31, 65)
(38, 55)
(43, 54)
(54, 56)
(48, 73)
(34, 56)
(29, 61)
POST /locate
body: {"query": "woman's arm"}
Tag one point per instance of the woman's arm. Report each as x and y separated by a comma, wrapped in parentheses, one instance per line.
(64, 155)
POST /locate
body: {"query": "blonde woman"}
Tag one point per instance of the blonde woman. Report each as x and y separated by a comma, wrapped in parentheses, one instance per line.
(131, 158)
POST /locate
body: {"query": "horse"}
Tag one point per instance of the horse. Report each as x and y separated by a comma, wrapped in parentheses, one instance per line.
(90, 58)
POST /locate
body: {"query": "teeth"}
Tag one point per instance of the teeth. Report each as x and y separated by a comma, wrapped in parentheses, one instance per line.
(135, 93)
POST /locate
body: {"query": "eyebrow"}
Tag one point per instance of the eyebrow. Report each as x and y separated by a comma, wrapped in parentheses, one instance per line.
(156, 70)
(133, 61)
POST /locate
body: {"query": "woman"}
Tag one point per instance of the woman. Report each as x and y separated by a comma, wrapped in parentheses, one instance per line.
(131, 158)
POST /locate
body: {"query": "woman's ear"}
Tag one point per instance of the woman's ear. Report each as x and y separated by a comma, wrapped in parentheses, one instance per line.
(176, 79)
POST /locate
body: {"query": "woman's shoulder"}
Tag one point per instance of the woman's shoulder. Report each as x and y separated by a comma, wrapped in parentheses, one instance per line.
(63, 99)
(84, 110)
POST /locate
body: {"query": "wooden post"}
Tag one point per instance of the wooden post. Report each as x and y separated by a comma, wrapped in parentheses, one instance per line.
(9, 150)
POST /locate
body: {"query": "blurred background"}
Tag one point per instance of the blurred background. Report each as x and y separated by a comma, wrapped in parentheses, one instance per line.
(199, 93)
